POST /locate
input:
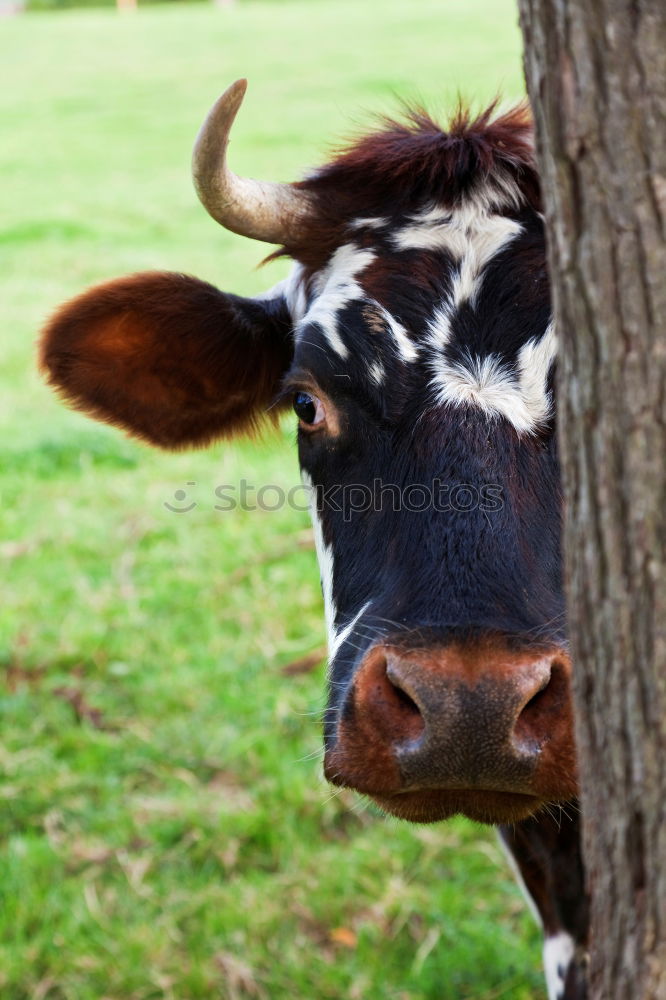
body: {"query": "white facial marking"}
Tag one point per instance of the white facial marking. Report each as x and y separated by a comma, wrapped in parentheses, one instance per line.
(461, 231)
(534, 363)
(472, 236)
(368, 223)
(491, 236)
(295, 293)
(557, 954)
(334, 287)
(376, 373)
(406, 348)
(522, 398)
(472, 233)
(439, 327)
(345, 632)
(325, 559)
(485, 383)
(292, 289)
(498, 191)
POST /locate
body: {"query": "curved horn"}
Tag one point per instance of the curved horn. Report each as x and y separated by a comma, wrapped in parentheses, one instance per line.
(261, 210)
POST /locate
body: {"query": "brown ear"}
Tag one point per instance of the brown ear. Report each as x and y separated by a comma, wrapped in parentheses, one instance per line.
(168, 358)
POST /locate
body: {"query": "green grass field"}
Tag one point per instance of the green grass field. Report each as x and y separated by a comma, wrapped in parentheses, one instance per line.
(164, 828)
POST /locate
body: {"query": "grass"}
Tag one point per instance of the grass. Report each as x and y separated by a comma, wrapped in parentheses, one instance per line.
(164, 829)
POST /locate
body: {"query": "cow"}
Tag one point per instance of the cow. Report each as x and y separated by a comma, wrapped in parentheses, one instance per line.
(414, 340)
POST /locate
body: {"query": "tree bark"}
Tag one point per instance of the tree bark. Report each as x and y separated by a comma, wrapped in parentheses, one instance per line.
(596, 75)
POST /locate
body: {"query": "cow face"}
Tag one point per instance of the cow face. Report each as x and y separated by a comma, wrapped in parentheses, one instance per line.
(422, 378)
(414, 341)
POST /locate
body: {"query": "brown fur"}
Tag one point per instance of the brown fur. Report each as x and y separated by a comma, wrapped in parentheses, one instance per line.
(166, 357)
(408, 163)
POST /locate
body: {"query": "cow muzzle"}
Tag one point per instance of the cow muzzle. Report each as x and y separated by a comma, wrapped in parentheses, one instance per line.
(483, 730)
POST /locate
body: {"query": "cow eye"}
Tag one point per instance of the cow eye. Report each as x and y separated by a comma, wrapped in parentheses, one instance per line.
(309, 409)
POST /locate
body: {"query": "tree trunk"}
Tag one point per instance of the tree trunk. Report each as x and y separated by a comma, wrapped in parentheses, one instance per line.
(596, 75)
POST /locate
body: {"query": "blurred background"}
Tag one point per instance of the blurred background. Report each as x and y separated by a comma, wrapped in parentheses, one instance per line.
(164, 828)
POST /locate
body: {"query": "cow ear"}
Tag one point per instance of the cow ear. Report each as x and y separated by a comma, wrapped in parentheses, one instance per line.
(168, 358)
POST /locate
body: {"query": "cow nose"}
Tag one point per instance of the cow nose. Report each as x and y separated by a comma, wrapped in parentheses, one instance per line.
(451, 718)
(451, 706)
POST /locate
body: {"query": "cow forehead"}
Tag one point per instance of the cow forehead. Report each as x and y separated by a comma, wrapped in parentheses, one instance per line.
(458, 295)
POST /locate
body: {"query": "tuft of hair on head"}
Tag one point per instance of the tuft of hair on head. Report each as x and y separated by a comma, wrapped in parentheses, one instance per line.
(415, 153)
(407, 162)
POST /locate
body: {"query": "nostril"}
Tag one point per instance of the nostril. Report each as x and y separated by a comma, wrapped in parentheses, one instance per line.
(532, 705)
(406, 701)
(396, 710)
(398, 676)
(537, 715)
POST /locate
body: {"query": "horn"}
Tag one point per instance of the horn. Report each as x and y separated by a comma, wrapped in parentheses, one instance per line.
(262, 210)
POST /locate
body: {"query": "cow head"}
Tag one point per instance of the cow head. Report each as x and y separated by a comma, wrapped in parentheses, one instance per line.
(415, 343)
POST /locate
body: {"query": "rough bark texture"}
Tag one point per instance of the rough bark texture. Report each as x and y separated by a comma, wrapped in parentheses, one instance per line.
(596, 74)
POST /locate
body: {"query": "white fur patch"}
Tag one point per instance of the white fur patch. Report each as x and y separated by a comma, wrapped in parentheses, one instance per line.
(325, 559)
(369, 222)
(486, 382)
(326, 569)
(534, 363)
(334, 288)
(468, 230)
(292, 289)
(345, 632)
(439, 327)
(557, 954)
(472, 236)
(376, 373)
(491, 236)
(498, 191)
(406, 348)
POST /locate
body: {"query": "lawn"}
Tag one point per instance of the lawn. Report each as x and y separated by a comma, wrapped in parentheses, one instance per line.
(165, 831)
